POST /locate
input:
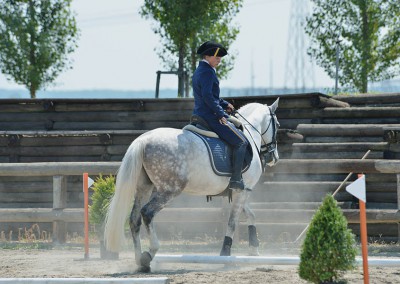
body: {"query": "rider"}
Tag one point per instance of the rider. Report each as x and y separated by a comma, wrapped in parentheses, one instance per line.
(209, 106)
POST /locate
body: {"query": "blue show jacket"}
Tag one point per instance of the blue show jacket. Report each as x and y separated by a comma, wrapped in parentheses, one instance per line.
(207, 102)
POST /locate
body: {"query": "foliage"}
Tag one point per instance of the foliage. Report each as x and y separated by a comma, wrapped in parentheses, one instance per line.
(329, 247)
(184, 24)
(103, 191)
(35, 39)
(368, 32)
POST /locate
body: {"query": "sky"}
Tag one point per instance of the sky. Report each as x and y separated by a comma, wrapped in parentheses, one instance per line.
(117, 49)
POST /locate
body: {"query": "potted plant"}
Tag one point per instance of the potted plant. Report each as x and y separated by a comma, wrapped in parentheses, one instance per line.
(329, 247)
(103, 190)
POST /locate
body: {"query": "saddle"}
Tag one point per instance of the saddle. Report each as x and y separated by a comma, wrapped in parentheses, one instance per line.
(220, 152)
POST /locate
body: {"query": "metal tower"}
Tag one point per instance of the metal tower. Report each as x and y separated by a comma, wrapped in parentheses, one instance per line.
(299, 70)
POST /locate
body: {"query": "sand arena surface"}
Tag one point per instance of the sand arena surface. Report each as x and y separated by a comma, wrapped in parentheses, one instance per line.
(68, 262)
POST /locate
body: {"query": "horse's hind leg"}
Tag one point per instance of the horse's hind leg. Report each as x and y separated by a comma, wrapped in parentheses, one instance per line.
(253, 239)
(135, 220)
(237, 205)
(157, 202)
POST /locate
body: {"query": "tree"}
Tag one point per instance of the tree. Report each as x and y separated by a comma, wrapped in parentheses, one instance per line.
(329, 247)
(35, 39)
(368, 33)
(184, 24)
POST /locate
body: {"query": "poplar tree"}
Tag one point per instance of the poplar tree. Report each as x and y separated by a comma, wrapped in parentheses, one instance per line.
(185, 24)
(368, 34)
(35, 40)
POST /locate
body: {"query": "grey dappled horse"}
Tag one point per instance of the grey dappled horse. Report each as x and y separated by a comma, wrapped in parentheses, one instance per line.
(162, 163)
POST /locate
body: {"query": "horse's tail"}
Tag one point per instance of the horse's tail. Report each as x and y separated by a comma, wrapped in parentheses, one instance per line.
(125, 189)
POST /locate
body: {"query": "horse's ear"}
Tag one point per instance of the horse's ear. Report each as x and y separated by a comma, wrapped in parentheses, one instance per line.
(274, 106)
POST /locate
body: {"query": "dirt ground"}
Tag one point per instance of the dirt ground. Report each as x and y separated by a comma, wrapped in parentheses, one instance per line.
(69, 262)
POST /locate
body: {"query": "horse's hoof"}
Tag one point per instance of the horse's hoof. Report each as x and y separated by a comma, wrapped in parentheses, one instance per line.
(145, 260)
(144, 269)
(226, 247)
(226, 251)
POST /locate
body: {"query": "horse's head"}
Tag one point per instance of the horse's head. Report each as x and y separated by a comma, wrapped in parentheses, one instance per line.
(269, 131)
(264, 123)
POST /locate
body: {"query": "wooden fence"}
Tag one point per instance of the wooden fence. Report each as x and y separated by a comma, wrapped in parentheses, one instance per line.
(333, 136)
(59, 215)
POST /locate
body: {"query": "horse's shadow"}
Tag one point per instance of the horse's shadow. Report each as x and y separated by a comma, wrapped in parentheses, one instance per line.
(164, 271)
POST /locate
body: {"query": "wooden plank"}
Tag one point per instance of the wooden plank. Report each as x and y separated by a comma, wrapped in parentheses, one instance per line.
(373, 216)
(53, 169)
(370, 99)
(284, 166)
(324, 102)
(377, 120)
(362, 112)
(34, 197)
(64, 141)
(61, 133)
(287, 101)
(117, 149)
(328, 186)
(25, 186)
(336, 166)
(376, 231)
(41, 215)
(22, 125)
(340, 146)
(398, 191)
(59, 192)
(342, 129)
(334, 155)
(344, 139)
(89, 150)
(126, 105)
(20, 105)
(9, 205)
(65, 159)
(144, 125)
(103, 116)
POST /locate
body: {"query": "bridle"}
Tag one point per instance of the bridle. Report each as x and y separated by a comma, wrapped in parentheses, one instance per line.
(266, 148)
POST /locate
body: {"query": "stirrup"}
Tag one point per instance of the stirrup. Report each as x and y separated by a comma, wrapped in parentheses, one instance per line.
(236, 184)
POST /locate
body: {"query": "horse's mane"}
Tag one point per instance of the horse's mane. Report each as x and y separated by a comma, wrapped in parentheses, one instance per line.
(249, 108)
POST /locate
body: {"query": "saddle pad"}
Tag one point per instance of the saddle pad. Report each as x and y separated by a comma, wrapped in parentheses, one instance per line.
(220, 154)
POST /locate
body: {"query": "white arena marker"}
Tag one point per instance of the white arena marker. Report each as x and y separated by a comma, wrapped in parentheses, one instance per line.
(161, 280)
(357, 188)
(90, 182)
(257, 260)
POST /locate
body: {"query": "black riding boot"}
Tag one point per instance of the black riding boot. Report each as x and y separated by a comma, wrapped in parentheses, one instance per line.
(239, 152)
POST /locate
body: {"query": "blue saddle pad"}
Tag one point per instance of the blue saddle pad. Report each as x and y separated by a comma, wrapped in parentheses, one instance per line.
(220, 154)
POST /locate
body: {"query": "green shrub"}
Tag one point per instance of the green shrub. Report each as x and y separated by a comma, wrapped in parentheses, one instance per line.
(329, 247)
(103, 188)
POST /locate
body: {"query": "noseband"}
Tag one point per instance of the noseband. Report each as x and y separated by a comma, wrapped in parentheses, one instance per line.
(266, 148)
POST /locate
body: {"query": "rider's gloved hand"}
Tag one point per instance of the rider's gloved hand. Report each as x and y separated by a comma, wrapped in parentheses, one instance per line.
(230, 108)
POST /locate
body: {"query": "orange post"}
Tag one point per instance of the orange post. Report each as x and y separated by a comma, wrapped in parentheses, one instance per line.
(86, 214)
(364, 244)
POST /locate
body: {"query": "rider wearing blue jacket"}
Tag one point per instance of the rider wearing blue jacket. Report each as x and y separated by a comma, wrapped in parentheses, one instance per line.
(209, 106)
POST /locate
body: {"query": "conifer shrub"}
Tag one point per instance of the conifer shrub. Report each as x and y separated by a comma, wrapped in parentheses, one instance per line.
(329, 248)
(103, 190)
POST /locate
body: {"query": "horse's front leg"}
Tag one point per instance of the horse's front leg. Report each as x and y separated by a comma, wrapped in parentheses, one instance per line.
(251, 219)
(237, 206)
